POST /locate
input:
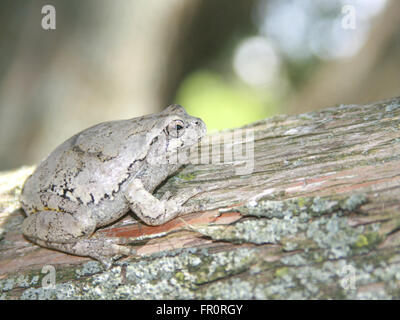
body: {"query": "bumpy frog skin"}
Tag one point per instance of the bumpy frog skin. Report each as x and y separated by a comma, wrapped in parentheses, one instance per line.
(101, 173)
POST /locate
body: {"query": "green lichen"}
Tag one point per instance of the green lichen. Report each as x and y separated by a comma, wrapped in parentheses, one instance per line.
(186, 176)
(281, 272)
(362, 241)
(180, 276)
(368, 240)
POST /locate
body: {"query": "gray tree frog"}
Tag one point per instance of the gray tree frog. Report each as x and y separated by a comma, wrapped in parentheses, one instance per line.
(101, 173)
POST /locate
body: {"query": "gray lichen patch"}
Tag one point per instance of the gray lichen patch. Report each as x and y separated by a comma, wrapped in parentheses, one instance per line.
(313, 222)
(314, 206)
(192, 269)
(171, 275)
(334, 235)
(392, 106)
(353, 202)
(89, 268)
(254, 231)
(337, 279)
(232, 289)
(303, 282)
(18, 281)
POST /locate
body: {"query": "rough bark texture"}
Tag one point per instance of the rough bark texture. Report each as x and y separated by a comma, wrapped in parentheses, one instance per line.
(318, 217)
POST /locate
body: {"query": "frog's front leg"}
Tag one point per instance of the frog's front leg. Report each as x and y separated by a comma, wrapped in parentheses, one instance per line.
(154, 211)
(69, 233)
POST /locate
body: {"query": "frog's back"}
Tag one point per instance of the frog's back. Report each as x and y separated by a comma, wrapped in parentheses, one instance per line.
(90, 166)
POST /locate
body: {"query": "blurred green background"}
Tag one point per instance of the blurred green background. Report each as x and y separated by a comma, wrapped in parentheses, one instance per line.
(228, 62)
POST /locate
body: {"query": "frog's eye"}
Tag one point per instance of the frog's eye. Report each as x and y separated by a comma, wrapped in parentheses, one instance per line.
(176, 128)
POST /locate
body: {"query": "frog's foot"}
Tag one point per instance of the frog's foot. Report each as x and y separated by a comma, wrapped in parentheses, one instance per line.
(64, 232)
(154, 211)
(104, 251)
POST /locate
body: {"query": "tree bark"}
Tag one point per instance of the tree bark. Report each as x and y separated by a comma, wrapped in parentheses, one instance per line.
(317, 216)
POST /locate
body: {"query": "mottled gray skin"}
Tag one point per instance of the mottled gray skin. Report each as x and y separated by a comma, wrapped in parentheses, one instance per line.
(101, 173)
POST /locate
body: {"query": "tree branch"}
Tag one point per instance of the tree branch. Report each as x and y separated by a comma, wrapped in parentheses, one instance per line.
(317, 217)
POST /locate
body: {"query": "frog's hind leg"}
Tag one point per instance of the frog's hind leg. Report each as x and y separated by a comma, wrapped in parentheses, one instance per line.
(65, 232)
(103, 250)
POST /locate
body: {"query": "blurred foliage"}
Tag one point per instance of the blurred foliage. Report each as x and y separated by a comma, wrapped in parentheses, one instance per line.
(301, 36)
(229, 62)
(221, 103)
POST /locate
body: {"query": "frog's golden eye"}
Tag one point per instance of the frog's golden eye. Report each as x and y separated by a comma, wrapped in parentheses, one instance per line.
(176, 128)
